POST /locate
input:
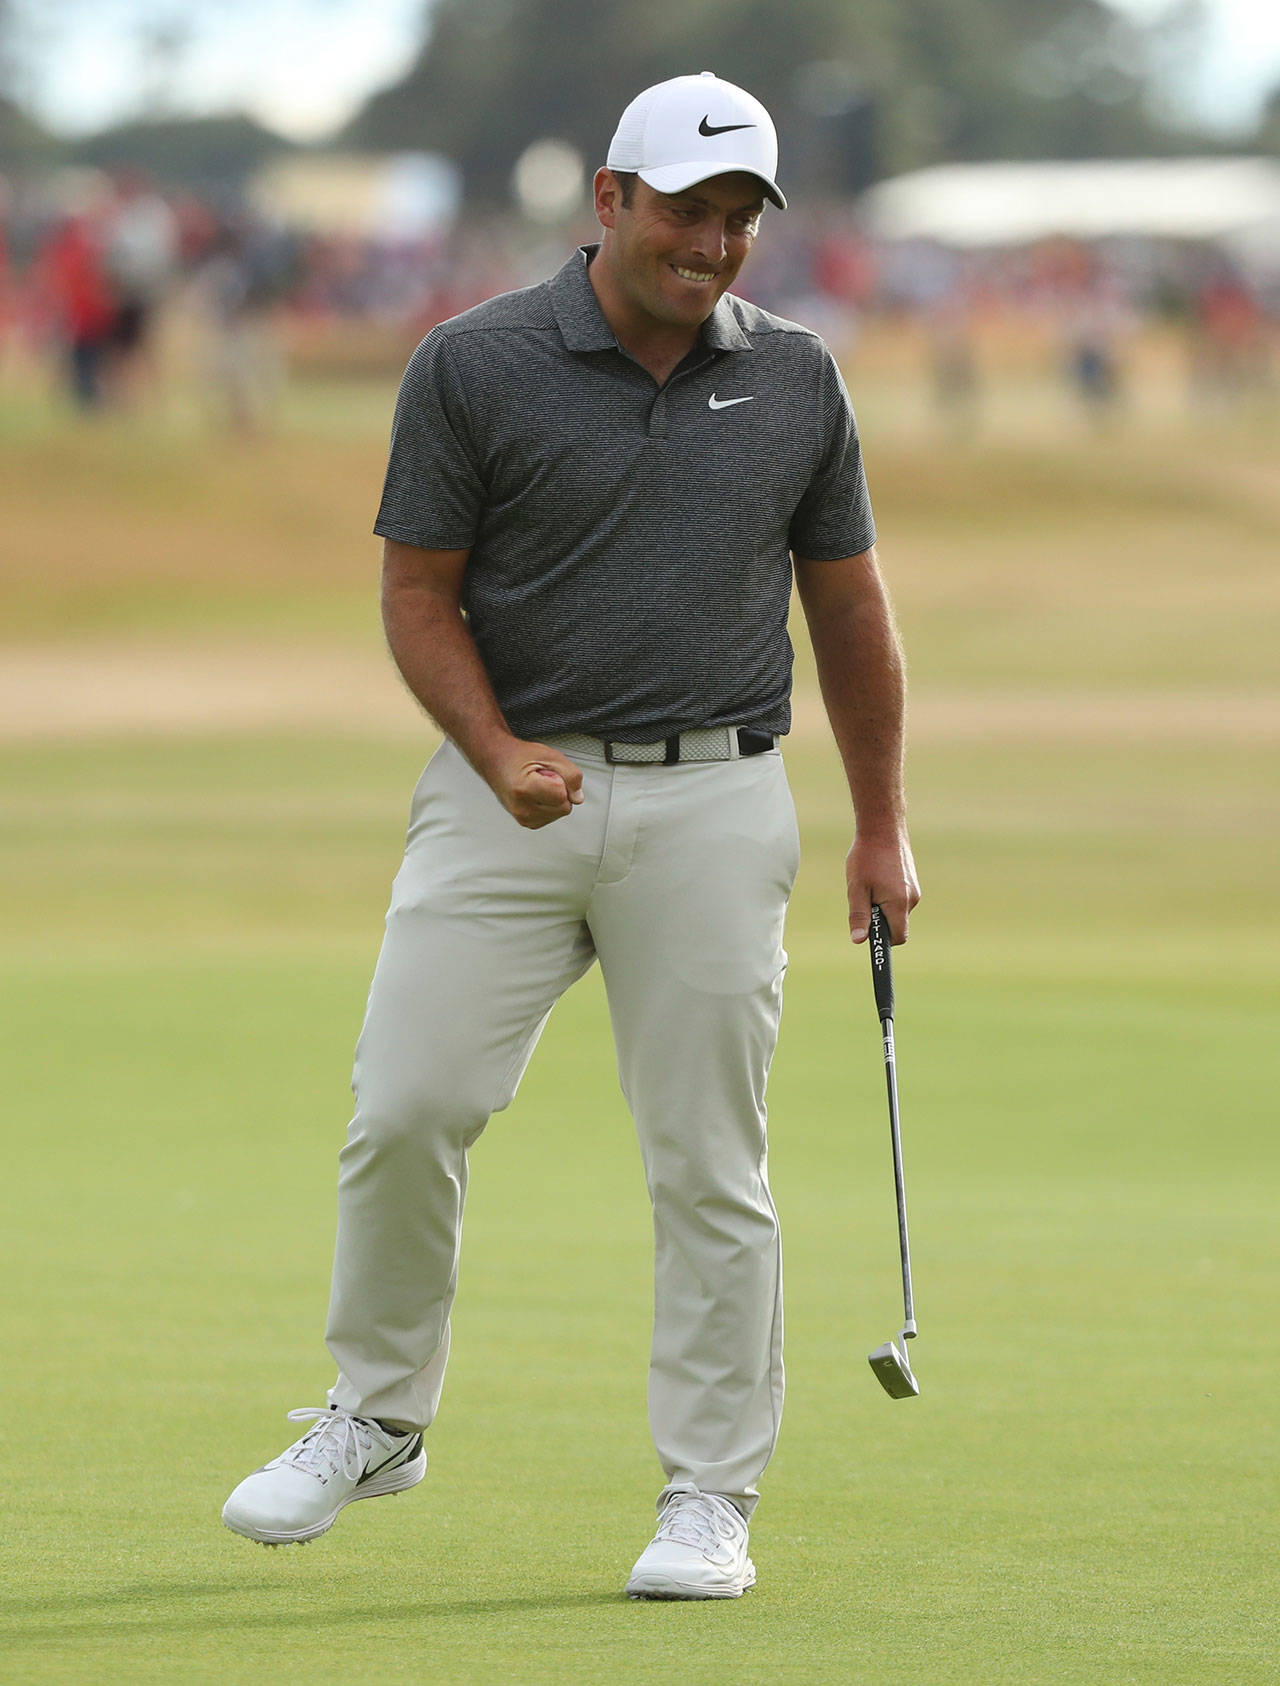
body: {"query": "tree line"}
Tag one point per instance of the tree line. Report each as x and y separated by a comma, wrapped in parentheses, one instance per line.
(859, 91)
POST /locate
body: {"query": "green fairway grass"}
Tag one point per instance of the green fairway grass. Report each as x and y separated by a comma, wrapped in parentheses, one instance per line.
(1085, 1492)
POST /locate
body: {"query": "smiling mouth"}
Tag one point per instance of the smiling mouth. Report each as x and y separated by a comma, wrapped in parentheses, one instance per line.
(694, 274)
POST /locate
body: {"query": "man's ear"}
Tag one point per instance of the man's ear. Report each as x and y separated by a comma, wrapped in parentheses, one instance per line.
(608, 196)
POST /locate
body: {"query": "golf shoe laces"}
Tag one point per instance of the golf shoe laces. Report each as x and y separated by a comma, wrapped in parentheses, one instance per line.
(696, 1519)
(336, 1441)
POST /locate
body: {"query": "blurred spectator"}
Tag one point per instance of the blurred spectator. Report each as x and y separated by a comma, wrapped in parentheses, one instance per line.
(954, 361)
(1086, 310)
(1230, 354)
(232, 288)
(1094, 322)
(8, 286)
(73, 287)
(141, 249)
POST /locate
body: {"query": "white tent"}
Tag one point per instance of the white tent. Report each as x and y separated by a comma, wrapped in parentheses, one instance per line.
(971, 205)
(399, 196)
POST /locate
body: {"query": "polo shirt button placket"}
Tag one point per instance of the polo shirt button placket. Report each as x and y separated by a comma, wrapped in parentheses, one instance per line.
(658, 410)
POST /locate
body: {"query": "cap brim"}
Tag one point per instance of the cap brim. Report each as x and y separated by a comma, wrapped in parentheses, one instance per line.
(675, 178)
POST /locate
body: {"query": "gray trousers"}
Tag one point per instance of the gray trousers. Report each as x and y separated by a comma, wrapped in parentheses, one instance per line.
(677, 880)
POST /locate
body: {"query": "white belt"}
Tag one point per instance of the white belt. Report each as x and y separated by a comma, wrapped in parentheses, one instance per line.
(708, 743)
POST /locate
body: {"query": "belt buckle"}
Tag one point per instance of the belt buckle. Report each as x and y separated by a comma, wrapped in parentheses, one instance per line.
(754, 743)
(670, 757)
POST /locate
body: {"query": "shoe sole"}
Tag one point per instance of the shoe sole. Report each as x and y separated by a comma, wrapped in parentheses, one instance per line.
(658, 1587)
(397, 1480)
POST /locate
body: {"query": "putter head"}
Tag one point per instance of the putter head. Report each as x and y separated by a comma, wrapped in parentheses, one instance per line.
(892, 1370)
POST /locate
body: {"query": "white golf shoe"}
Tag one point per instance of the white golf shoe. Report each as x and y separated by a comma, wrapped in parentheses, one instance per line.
(699, 1551)
(339, 1459)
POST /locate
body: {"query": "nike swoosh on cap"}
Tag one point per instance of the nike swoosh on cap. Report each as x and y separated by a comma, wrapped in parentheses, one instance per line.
(714, 403)
(709, 129)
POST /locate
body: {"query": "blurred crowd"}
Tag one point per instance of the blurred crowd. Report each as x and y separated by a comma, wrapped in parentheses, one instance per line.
(91, 273)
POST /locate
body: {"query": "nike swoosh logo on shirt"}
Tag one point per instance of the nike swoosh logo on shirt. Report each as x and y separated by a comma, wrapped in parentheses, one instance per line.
(714, 403)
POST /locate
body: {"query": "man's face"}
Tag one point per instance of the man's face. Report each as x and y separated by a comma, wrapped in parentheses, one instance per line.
(674, 254)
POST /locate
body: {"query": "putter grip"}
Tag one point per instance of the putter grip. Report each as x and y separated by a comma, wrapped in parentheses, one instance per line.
(881, 964)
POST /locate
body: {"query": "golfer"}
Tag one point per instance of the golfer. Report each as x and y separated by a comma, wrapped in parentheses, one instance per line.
(599, 490)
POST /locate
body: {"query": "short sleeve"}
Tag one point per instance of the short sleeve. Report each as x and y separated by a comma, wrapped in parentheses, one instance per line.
(434, 491)
(833, 518)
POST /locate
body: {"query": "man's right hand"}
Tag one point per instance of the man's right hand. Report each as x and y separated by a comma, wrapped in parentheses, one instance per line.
(535, 783)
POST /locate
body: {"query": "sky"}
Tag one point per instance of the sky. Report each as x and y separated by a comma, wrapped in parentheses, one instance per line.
(300, 66)
(304, 66)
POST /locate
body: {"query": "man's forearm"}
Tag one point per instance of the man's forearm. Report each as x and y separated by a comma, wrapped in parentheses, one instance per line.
(861, 674)
(437, 656)
(438, 660)
(860, 670)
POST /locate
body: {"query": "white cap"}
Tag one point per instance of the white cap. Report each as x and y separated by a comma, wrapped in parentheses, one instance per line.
(692, 127)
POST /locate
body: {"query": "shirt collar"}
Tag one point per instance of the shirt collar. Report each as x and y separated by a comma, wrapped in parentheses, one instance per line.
(722, 331)
(582, 322)
(578, 312)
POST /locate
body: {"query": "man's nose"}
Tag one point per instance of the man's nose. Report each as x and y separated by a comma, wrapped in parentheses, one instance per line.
(711, 240)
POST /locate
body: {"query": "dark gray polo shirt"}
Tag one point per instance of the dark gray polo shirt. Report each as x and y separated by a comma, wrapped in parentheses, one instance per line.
(630, 545)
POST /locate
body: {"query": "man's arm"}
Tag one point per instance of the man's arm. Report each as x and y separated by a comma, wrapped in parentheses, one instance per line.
(437, 656)
(860, 670)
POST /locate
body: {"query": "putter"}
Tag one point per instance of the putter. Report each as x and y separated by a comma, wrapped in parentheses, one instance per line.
(890, 1360)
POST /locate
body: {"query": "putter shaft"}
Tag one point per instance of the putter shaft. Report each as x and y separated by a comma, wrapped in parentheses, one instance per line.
(889, 1362)
(904, 1245)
